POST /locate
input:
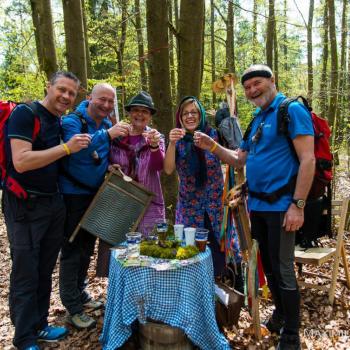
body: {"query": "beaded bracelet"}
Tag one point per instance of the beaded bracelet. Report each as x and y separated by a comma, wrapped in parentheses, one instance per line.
(66, 148)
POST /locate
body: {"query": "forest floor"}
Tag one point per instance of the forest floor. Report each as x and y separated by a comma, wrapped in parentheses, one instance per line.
(322, 326)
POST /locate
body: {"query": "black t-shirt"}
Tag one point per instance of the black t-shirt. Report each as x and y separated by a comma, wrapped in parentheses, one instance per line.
(21, 126)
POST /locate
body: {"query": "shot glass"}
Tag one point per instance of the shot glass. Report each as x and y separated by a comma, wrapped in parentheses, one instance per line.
(162, 229)
(179, 231)
(133, 240)
(189, 235)
(201, 238)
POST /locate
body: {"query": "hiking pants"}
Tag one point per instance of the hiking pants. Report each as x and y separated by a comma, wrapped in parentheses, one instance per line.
(277, 254)
(75, 256)
(35, 232)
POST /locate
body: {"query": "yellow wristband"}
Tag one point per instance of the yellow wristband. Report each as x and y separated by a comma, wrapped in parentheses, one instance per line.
(213, 148)
(66, 148)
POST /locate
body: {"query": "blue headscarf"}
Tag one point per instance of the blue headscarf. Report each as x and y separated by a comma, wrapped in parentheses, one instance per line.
(194, 156)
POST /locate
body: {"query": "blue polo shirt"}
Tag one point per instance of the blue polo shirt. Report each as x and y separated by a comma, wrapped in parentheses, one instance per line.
(270, 162)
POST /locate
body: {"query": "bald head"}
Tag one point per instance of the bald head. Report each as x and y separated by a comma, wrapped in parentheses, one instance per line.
(101, 102)
(102, 87)
(256, 70)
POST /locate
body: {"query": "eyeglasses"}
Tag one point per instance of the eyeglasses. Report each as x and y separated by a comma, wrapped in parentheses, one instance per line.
(257, 136)
(187, 114)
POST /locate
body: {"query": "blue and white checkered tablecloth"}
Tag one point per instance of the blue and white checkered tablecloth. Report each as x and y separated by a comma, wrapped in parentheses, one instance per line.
(182, 298)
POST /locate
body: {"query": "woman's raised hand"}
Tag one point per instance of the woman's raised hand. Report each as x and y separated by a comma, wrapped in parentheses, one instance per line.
(176, 134)
(153, 137)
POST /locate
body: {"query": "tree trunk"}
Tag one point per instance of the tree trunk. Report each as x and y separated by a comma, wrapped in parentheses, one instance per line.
(159, 79)
(75, 41)
(340, 115)
(121, 46)
(334, 67)
(171, 51)
(140, 47)
(275, 53)
(310, 73)
(230, 59)
(323, 83)
(191, 41)
(270, 34)
(44, 37)
(255, 31)
(87, 50)
(212, 45)
(285, 46)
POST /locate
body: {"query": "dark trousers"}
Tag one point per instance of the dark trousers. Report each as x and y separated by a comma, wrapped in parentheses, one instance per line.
(277, 254)
(35, 232)
(75, 256)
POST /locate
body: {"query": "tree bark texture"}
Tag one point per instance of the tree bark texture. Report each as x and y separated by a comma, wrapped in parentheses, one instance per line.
(212, 46)
(172, 51)
(44, 36)
(324, 75)
(159, 72)
(75, 41)
(230, 57)
(87, 50)
(270, 34)
(255, 31)
(310, 73)
(191, 41)
(334, 67)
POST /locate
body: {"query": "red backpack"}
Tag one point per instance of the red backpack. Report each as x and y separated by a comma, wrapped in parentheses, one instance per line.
(317, 213)
(8, 182)
(324, 159)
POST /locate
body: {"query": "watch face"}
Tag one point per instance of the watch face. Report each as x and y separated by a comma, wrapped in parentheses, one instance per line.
(300, 203)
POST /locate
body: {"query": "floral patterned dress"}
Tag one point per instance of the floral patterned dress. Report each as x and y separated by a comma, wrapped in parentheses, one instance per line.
(194, 202)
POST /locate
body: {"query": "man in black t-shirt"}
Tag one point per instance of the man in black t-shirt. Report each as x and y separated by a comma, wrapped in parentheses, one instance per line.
(35, 226)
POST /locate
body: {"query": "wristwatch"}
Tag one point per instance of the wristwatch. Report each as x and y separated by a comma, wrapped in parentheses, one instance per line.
(300, 203)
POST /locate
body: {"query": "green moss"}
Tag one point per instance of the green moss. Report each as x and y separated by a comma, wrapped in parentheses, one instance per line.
(168, 250)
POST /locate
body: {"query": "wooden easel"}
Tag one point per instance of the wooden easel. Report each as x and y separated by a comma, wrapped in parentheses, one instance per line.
(237, 201)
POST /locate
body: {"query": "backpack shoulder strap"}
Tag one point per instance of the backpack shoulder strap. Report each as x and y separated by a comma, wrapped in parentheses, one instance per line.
(84, 125)
(248, 130)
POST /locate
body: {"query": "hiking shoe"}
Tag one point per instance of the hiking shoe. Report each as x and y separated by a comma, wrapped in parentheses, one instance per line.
(289, 342)
(81, 321)
(274, 325)
(93, 304)
(32, 347)
(52, 334)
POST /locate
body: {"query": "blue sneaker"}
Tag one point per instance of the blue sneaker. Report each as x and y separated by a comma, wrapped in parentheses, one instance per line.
(52, 334)
(33, 347)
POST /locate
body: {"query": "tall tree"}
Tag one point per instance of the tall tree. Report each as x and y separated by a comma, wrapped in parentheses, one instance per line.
(159, 78)
(255, 31)
(334, 67)
(171, 49)
(270, 34)
(275, 53)
(87, 49)
(230, 46)
(285, 46)
(310, 73)
(212, 46)
(323, 83)
(140, 46)
(340, 115)
(75, 40)
(44, 36)
(190, 43)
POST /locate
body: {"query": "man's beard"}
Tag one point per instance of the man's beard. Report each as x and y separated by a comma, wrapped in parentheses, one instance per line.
(264, 99)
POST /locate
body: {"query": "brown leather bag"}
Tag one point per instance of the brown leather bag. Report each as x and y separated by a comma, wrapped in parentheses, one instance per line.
(227, 316)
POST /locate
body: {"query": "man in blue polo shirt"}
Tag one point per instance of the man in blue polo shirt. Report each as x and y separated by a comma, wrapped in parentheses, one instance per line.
(35, 225)
(279, 180)
(81, 175)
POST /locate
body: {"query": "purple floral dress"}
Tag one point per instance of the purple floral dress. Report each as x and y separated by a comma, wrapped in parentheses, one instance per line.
(194, 202)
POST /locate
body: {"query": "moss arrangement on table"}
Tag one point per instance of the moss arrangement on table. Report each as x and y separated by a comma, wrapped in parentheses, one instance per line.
(168, 250)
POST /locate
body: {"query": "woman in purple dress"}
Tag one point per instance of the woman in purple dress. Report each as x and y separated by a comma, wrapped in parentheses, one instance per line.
(140, 155)
(200, 176)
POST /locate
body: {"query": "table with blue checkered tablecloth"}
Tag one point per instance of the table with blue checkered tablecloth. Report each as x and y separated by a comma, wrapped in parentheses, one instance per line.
(182, 298)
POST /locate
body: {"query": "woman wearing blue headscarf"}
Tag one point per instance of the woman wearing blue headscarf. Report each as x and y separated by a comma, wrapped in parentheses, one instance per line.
(200, 176)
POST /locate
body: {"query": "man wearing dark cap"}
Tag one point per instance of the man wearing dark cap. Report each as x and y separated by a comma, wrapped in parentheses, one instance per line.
(278, 182)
